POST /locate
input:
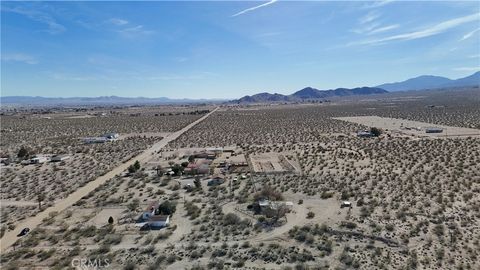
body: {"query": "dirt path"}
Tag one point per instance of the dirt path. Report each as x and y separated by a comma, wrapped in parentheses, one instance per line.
(17, 203)
(10, 237)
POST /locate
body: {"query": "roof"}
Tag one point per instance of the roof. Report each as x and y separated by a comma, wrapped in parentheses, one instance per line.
(153, 205)
(159, 218)
(61, 156)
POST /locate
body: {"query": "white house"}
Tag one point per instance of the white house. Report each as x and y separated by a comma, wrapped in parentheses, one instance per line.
(38, 159)
(159, 221)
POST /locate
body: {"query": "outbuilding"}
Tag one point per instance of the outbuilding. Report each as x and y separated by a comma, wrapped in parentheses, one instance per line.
(433, 130)
(58, 158)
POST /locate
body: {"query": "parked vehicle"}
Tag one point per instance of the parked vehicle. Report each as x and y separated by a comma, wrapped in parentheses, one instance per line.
(23, 232)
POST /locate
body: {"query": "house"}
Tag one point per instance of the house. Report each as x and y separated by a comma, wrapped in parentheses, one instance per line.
(158, 221)
(264, 203)
(38, 159)
(90, 140)
(111, 136)
(215, 181)
(58, 158)
(433, 130)
(364, 134)
(150, 211)
(229, 149)
(215, 150)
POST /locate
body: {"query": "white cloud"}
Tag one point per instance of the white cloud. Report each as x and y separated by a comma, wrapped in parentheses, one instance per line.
(135, 31)
(470, 34)
(20, 57)
(117, 21)
(384, 29)
(38, 16)
(254, 8)
(433, 30)
(371, 16)
(377, 4)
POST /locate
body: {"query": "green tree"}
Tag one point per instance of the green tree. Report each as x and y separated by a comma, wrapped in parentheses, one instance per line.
(110, 220)
(376, 131)
(167, 208)
(136, 165)
(23, 152)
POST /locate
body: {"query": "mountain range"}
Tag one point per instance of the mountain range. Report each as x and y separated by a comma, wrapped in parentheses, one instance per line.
(431, 82)
(418, 83)
(308, 93)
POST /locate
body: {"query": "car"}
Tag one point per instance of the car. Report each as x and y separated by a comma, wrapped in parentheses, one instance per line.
(346, 204)
(23, 232)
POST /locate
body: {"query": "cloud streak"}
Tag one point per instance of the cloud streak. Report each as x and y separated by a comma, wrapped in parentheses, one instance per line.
(20, 57)
(135, 31)
(253, 8)
(117, 21)
(427, 32)
(469, 34)
(38, 16)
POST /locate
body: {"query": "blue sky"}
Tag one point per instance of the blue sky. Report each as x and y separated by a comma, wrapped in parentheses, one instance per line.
(227, 49)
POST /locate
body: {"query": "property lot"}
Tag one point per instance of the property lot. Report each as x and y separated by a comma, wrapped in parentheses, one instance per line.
(409, 127)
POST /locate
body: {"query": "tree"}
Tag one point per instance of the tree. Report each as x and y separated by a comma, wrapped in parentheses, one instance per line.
(167, 208)
(376, 131)
(159, 170)
(23, 153)
(110, 220)
(134, 168)
(136, 165)
(177, 169)
(191, 159)
(197, 182)
(40, 199)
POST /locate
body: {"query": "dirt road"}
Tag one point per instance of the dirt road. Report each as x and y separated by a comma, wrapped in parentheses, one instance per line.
(10, 237)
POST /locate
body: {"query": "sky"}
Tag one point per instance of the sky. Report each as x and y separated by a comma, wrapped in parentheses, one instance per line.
(228, 49)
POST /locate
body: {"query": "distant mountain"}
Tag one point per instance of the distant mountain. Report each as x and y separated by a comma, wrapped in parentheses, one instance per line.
(102, 100)
(264, 97)
(308, 93)
(472, 80)
(312, 93)
(431, 82)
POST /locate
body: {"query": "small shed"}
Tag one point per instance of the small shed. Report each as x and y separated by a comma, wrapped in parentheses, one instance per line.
(346, 204)
(433, 130)
(58, 158)
(364, 134)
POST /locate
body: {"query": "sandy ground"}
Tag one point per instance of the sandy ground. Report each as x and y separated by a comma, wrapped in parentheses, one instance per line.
(17, 203)
(409, 127)
(10, 237)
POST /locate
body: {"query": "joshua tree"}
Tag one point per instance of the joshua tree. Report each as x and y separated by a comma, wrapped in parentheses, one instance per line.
(40, 199)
